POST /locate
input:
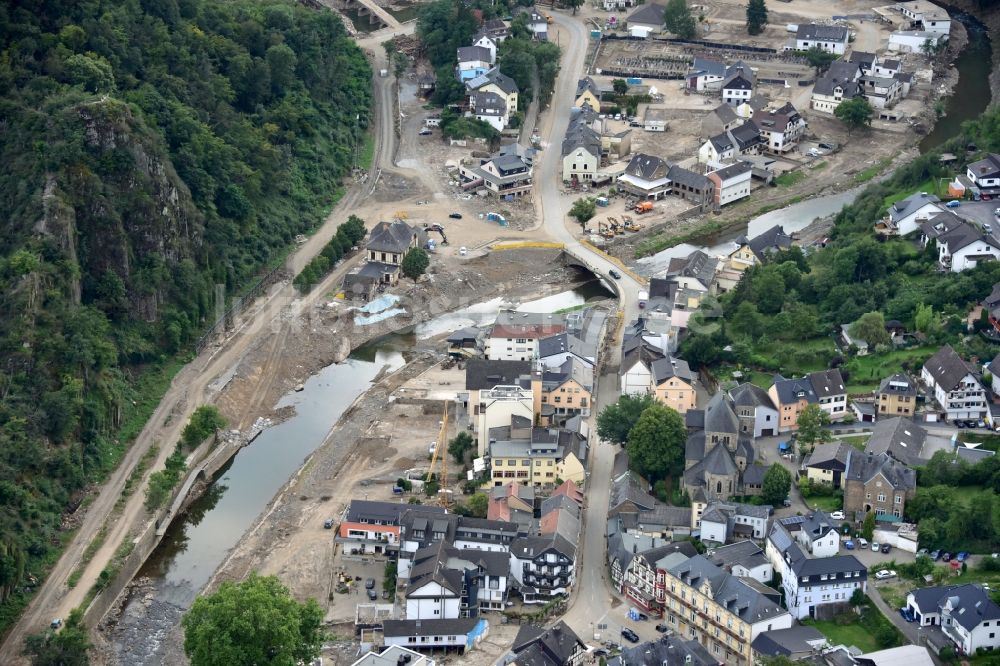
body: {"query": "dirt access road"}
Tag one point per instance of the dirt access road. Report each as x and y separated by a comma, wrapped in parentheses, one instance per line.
(189, 389)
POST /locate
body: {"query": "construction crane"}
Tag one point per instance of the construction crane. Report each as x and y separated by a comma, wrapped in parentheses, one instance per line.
(444, 496)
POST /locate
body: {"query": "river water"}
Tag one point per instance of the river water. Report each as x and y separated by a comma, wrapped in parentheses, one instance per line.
(199, 541)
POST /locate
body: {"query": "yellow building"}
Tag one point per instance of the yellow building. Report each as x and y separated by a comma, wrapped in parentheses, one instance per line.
(721, 611)
(587, 93)
(742, 257)
(673, 383)
(566, 396)
(541, 457)
(896, 396)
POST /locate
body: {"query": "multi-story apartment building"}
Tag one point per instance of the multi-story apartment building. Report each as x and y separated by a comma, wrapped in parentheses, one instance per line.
(645, 577)
(371, 527)
(877, 482)
(957, 390)
(543, 566)
(721, 611)
(896, 396)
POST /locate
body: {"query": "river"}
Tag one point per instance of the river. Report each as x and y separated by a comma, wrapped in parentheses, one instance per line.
(199, 541)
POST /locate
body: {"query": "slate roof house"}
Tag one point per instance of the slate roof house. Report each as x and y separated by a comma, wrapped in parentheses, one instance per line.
(796, 643)
(901, 438)
(966, 614)
(543, 566)
(556, 646)
(829, 38)
(387, 243)
(645, 176)
(827, 463)
(666, 651)
(877, 482)
(956, 387)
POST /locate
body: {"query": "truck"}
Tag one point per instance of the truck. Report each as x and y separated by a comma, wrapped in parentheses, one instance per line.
(644, 207)
(643, 297)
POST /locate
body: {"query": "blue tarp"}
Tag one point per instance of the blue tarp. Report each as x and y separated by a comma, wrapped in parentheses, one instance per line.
(784, 446)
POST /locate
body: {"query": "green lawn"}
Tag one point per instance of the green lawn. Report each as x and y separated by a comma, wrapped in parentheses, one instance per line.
(872, 171)
(827, 503)
(929, 186)
(857, 441)
(867, 371)
(790, 178)
(849, 634)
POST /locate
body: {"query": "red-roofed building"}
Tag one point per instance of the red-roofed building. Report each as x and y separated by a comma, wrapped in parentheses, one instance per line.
(515, 335)
(570, 490)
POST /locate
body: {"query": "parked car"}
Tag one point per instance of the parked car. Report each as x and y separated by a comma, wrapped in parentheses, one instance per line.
(662, 628)
(462, 251)
(837, 515)
(425, 131)
(863, 542)
(907, 614)
(935, 555)
(954, 203)
(946, 557)
(370, 584)
(328, 524)
(615, 274)
(962, 556)
(372, 595)
(56, 623)
(787, 502)
(643, 617)
(988, 228)
(630, 635)
(886, 548)
(849, 545)
(996, 211)
(875, 546)
(885, 573)
(455, 216)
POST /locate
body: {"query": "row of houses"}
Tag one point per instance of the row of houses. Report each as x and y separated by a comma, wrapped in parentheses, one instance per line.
(880, 81)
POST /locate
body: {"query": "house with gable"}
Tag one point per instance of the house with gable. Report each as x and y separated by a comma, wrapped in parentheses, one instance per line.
(831, 394)
(732, 182)
(838, 84)
(827, 463)
(964, 246)
(744, 559)
(905, 216)
(667, 650)
(817, 533)
(493, 81)
(780, 129)
(705, 74)
(644, 579)
(737, 141)
(815, 587)
(896, 396)
(673, 383)
(543, 566)
(790, 397)
(901, 438)
(646, 20)
(690, 185)
(957, 390)
(556, 646)
(645, 177)
(966, 614)
(485, 40)
(829, 38)
(502, 175)
(588, 94)
(739, 83)
(985, 174)
(877, 482)
(755, 410)
(724, 522)
(581, 153)
(387, 243)
(720, 120)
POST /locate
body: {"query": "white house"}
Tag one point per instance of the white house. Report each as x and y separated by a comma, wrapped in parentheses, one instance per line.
(812, 582)
(780, 129)
(828, 385)
(907, 214)
(637, 376)
(912, 41)
(964, 246)
(645, 176)
(755, 410)
(581, 153)
(739, 83)
(487, 42)
(462, 633)
(881, 92)
(498, 406)
(966, 614)
(719, 148)
(839, 83)
(722, 521)
(957, 390)
(543, 566)
(829, 38)
(819, 535)
(744, 559)
(504, 175)
(705, 74)
(490, 108)
(732, 182)
(929, 16)
(434, 599)
(985, 173)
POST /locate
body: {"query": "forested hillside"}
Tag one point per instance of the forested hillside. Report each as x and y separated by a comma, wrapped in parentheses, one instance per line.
(151, 150)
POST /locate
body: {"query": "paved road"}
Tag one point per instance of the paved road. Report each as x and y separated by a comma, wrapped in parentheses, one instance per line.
(592, 598)
(189, 389)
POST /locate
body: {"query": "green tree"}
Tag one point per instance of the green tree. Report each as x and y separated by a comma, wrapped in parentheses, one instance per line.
(616, 420)
(389, 574)
(858, 598)
(478, 505)
(67, 647)
(583, 209)
(777, 660)
(575, 4)
(620, 86)
(756, 17)
(769, 290)
(656, 443)
(855, 113)
(747, 321)
(460, 445)
(871, 328)
(818, 58)
(255, 621)
(777, 484)
(205, 421)
(926, 320)
(868, 526)
(678, 19)
(811, 430)
(415, 263)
